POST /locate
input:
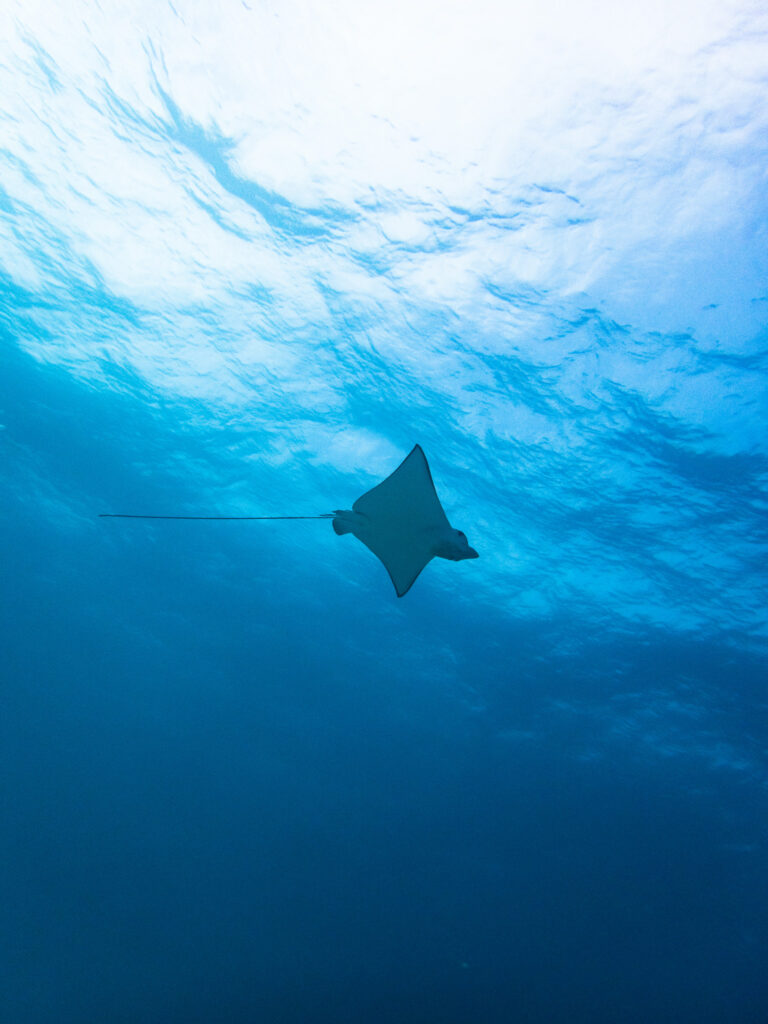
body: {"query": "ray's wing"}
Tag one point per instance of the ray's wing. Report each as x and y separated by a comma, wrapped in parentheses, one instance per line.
(403, 516)
(407, 494)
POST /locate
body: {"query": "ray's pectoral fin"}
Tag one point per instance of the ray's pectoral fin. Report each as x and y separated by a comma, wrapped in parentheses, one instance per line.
(403, 558)
(402, 553)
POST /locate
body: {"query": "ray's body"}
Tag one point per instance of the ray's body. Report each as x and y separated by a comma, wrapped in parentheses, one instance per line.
(400, 520)
(403, 523)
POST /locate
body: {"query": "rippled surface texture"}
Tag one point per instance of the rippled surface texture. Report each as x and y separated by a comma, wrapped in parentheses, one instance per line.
(250, 254)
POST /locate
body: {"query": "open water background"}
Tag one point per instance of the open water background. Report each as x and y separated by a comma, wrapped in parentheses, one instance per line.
(249, 255)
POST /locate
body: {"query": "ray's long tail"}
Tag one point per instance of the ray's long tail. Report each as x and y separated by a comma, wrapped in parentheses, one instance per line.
(127, 515)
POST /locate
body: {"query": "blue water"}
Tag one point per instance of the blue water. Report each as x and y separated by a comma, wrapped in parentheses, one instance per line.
(244, 268)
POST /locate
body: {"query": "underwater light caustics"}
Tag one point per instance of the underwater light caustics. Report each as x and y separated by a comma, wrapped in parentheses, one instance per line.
(400, 520)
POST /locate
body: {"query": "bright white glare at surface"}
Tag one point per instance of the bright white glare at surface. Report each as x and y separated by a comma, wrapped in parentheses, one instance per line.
(647, 115)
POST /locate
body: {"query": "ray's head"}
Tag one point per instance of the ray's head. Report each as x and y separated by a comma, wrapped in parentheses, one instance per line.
(455, 547)
(463, 543)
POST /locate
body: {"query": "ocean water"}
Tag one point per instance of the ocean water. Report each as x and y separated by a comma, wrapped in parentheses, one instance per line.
(250, 254)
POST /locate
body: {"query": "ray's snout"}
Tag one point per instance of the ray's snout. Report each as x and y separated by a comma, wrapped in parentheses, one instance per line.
(471, 553)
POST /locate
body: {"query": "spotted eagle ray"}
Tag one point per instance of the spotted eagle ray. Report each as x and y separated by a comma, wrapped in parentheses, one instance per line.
(400, 520)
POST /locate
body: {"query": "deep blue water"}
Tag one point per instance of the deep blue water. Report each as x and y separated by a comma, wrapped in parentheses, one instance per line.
(240, 780)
